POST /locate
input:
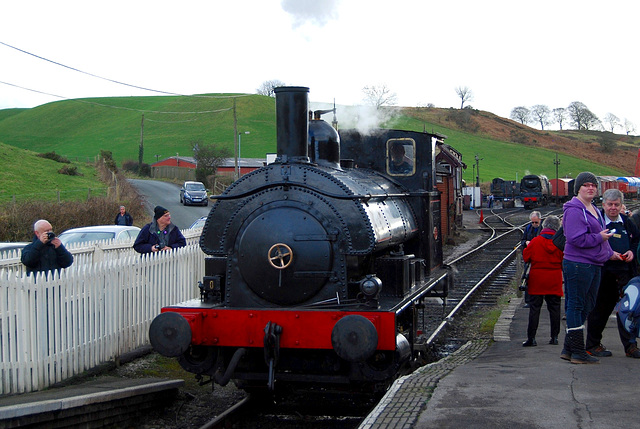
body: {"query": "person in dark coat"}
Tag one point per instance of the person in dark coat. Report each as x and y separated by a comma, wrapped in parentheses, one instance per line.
(616, 273)
(46, 252)
(545, 280)
(123, 217)
(160, 234)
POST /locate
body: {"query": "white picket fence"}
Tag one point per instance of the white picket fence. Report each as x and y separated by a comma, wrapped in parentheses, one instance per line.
(57, 326)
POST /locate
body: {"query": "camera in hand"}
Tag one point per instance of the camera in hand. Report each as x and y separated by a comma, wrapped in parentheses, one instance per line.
(51, 235)
(157, 247)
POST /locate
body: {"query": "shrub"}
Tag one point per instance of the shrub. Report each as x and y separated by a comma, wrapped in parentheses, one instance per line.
(70, 170)
(55, 157)
(130, 165)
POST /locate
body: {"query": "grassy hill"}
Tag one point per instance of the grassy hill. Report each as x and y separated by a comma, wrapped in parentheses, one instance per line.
(28, 177)
(79, 129)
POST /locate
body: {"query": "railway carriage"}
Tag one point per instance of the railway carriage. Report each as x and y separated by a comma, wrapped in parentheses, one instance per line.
(317, 265)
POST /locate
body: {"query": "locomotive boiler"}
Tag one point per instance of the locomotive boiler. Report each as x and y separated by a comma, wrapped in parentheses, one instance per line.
(318, 265)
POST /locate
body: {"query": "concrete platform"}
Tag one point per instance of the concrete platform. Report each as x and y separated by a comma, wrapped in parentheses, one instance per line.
(500, 384)
(87, 404)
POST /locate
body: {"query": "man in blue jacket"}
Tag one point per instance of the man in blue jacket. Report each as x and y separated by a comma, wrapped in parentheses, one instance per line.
(46, 252)
(160, 234)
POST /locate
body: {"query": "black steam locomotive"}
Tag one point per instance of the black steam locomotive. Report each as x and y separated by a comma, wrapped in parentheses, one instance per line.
(318, 264)
(535, 191)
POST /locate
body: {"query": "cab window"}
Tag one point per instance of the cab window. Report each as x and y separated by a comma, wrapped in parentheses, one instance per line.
(401, 157)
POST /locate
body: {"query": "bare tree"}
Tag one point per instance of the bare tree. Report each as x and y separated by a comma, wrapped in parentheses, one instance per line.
(379, 95)
(268, 86)
(465, 94)
(612, 121)
(559, 115)
(521, 114)
(581, 117)
(541, 114)
(208, 158)
(629, 127)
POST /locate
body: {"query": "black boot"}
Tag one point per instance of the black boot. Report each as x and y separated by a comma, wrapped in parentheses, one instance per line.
(566, 348)
(578, 352)
(531, 342)
(553, 341)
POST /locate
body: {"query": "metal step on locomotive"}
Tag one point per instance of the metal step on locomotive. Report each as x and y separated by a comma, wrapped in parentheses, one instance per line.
(318, 264)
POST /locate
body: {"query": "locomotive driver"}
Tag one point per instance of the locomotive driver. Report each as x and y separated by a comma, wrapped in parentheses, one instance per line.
(616, 273)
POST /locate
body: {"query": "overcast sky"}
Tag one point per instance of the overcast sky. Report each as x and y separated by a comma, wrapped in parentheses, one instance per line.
(509, 53)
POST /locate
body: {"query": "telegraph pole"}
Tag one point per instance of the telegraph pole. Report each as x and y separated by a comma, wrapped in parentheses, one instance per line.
(557, 163)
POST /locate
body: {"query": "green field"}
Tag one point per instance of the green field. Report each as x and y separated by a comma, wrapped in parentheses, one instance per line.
(28, 177)
(79, 129)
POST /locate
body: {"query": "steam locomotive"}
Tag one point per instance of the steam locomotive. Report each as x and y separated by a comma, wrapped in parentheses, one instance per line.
(318, 265)
(535, 191)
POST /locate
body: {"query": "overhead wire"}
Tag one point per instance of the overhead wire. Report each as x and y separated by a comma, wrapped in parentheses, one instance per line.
(77, 100)
(116, 81)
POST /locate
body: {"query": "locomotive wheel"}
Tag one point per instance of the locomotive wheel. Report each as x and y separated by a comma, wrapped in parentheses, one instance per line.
(197, 359)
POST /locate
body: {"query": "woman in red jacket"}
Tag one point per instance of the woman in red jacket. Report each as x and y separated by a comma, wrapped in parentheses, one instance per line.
(545, 280)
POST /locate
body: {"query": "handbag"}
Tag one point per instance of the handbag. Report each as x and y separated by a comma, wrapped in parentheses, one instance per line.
(525, 277)
(559, 239)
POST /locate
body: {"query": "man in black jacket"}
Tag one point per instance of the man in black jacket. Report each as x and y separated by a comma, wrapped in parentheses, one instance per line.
(616, 273)
(160, 234)
(46, 252)
(123, 217)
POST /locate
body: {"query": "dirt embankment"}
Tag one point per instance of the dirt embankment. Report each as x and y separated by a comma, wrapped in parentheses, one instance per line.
(580, 144)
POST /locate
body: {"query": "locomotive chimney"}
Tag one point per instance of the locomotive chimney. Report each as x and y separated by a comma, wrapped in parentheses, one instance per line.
(292, 123)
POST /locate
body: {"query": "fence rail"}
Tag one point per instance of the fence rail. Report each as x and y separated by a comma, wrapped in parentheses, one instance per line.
(57, 326)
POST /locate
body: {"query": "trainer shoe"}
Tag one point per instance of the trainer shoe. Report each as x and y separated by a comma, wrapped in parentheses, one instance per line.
(599, 351)
(633, 352)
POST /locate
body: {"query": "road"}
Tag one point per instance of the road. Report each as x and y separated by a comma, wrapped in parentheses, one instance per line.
(167, 195)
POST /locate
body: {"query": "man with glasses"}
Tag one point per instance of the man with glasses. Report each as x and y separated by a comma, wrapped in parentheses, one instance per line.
(616, 273)
(532, 229)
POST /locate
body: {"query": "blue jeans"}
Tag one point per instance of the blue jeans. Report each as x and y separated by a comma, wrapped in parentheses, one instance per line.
(581, 283)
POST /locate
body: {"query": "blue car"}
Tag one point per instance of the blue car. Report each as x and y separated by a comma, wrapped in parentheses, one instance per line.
(194, 193)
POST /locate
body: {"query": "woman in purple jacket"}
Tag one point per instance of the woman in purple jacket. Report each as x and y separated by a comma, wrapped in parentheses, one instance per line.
(586, 250)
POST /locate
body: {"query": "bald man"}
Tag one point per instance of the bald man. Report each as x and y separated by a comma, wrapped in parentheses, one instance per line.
(46, 252)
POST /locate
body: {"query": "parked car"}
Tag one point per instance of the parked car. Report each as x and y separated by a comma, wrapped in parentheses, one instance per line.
(6, 247)
(99, 232)
(194, 193)
(199, 223)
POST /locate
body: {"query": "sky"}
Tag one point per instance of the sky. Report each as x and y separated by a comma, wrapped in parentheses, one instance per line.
(509, 53)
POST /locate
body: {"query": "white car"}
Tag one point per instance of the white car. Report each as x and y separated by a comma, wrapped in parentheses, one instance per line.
(199, 223)
(99, 232)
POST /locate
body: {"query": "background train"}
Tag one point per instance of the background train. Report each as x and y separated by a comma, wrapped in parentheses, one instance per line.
(563, 188)
(504, 189)
(534, 191)
(318, 264)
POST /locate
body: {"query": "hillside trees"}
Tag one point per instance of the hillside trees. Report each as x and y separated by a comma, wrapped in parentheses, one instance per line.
(379, 95)
(465, 94)
(559, 115)
(268, 86)
(612, 121)
(521, 114)
(208, 158)
(541, 114)
(581, 117)
(629, 127)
